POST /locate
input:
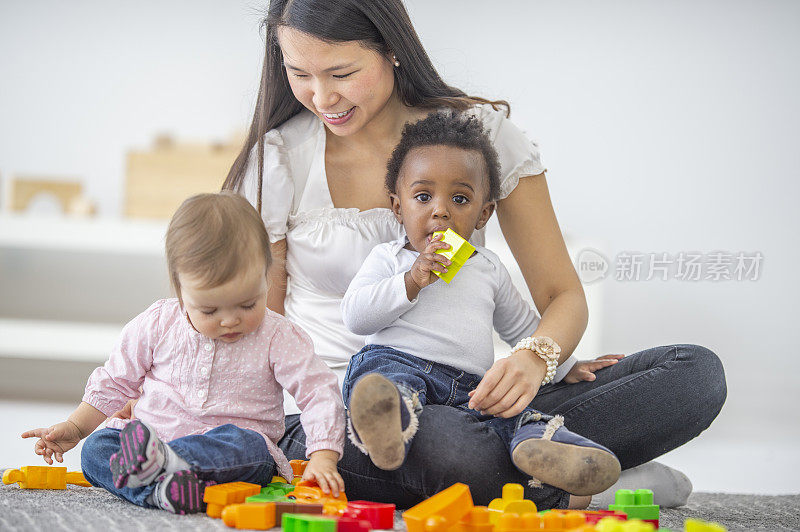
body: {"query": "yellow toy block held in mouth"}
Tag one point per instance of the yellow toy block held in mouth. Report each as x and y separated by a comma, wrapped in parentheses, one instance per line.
(460, 250)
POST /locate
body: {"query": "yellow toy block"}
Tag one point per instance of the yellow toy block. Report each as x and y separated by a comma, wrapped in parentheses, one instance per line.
(609, 524)
(512, 501)
(308, 492)
(257, 516)
(441, 511)
(460, 250)
(219, 496)
(548, 522)
(43, 478)
(278, 479)
(696, 525)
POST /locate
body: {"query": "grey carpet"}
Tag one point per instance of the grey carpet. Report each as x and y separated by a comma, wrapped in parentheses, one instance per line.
(91, 509)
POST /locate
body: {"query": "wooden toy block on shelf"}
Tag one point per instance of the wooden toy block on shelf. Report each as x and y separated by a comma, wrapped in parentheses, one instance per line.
(44, 478)
(218, 496)
(25, 191)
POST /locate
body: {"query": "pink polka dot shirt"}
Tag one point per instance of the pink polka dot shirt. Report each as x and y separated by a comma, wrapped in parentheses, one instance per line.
(191, 384)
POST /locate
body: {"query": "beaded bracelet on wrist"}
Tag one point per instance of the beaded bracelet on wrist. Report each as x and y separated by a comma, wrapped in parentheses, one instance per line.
(546, 349)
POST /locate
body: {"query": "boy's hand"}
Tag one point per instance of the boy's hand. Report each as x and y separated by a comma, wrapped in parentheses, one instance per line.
(321, 468)
(584, 370)
(421, 273)
(127, 411)
(55, 441)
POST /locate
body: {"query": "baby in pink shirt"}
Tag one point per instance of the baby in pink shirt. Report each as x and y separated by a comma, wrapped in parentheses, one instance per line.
(208, 369)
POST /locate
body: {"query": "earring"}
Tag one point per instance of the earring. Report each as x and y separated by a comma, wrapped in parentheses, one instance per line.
(396, 62)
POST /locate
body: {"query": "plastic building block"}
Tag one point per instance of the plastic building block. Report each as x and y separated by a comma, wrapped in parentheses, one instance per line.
(43, 478)
(306, 492)
(460, 250)
(274, 491)
(477, 520)
(294, 508)
(351, 524)
(593, 517)
(441, 511)
(696, 525)
(549, 522)
(253, 516)
(307, 523)
(512, 501)
(609, 524)
(380, 515)
(219, 496)
(277, 479)
(298, 467)
(638, 504)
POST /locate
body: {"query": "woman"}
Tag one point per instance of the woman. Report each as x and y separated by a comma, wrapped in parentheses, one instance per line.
(340, 79)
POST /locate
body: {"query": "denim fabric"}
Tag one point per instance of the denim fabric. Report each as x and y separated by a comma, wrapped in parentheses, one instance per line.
(433, 383)
(647, 404)
(223, 454)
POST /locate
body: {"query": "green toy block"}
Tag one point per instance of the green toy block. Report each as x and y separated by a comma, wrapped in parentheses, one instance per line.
(460, 250)
(272, 492)
(638, 504)
(307, 523)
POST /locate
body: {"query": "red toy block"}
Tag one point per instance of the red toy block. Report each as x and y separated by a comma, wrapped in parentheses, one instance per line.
(351, 524)
(379, 515)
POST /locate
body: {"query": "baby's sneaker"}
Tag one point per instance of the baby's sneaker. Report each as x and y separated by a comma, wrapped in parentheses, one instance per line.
(550, 453)
(141, 456)
(180, 493)
(381, 421)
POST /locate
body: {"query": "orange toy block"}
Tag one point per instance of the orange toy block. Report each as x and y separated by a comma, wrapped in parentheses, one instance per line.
(308, 492)
(548, 522)
(219, 496)
(441, 511)
(512, 501)
(257, 516)
(43, 478)
(477, 520)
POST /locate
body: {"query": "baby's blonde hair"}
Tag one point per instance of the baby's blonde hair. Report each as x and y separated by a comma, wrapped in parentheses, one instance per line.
(214, 237)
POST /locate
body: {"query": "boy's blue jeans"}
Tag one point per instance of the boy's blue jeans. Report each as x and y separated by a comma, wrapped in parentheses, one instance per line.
(223, 454)
(433, 383)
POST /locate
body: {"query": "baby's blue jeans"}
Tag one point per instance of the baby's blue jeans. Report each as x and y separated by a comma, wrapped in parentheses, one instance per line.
(432, 383)
(223, 454)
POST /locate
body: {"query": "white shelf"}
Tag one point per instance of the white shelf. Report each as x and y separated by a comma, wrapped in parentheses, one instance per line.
(108, 235)
(57, 340)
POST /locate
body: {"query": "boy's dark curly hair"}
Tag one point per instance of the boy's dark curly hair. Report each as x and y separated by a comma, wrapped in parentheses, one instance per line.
(446, 128)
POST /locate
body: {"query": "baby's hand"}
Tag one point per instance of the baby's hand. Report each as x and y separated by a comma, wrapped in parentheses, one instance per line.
(321, 468)
(584, 370)
(421, 272)
(55, 441)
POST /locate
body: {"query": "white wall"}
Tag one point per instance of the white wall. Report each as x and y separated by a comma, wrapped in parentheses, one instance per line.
(666, 127)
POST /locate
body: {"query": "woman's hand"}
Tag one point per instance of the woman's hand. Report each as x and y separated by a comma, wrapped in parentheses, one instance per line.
(321, 468)
(421, 273)
(584, 370)
(55, 441)
(509, 385)
(126, 412)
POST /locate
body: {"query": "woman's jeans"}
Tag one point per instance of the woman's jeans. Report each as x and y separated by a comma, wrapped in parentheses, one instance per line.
(643, 406)
(223, 454)
(432, 383)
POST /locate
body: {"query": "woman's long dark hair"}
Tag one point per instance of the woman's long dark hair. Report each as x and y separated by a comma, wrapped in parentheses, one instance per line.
(382, 25)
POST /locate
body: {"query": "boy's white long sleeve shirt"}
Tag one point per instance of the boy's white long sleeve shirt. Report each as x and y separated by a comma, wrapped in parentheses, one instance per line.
(447, 323)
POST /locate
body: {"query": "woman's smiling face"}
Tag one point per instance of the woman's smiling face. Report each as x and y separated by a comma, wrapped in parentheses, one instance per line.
(345, 84)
